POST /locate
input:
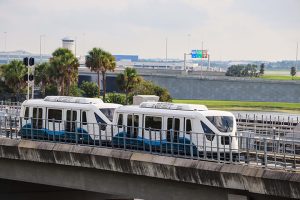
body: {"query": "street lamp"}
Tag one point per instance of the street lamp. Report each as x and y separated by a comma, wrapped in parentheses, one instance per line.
(41, 47)
(5, 35)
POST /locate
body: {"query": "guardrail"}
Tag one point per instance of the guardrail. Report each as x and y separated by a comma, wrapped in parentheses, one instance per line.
(245, 147)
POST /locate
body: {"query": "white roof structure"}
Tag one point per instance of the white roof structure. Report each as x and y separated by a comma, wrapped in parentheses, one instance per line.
(68, 99)
(173, 106)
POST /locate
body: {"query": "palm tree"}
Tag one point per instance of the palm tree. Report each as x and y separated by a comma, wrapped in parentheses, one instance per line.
(41, 76)
(64, 69)
(94, 61)
(108, 64)
(13, 74)
(128, 81)
(100, 61)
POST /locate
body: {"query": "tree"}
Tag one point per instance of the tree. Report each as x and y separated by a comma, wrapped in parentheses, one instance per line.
(149, 88)
(262, 69)
(100, 61)
(94, 61)
(64, 69)
(90, 89)
(13, 74)
(41, 76)
(108, 64)
(293, 72)
(128, 81)
(242, 70)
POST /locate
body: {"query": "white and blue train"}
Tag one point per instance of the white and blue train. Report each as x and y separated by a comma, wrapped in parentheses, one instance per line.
(184, 128)
(59, 117)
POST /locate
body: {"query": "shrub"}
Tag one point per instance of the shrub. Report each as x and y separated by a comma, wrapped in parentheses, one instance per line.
(116, 98)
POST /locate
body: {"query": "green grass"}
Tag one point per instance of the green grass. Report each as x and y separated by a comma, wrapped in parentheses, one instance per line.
(246, 105)
(279, 77)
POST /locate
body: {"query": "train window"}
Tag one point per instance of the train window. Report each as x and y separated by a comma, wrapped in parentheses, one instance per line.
(108, 112)
(209, 134)
(175, 127)
(222, 123)
(26, 115)
(55, 114)
(101, 121)
(37, 116)
(153, 122)
(120, 120)
(84, 120)
(188, 126)
(71, 118)
(129, 123)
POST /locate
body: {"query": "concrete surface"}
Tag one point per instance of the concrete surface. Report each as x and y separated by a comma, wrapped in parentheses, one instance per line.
(139, 175)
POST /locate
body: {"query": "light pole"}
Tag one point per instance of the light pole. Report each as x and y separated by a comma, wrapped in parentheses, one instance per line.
(41, 47)
(189, 42)
(296, 58)
(5, 35)
(166, 52)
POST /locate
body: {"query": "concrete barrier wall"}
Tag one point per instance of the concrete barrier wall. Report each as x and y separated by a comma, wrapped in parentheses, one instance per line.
(184, 87)
(222, 176)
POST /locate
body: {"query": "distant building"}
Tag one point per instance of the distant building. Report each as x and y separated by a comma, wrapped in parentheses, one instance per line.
(132, 58)
(69, 43)
(7, 56)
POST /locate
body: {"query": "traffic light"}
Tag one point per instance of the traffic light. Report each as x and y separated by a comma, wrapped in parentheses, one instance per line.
(31, 61)
(25, 61)
(28, 61)
(30, 77)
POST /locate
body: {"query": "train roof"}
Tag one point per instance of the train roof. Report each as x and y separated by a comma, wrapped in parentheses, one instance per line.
(171, 109)
(66, 101)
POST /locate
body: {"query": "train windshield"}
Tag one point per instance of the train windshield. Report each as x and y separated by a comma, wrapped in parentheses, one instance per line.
(222, 123)
(108, 112)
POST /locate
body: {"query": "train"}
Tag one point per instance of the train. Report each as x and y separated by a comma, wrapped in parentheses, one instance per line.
(156, 126)
(66, 118)
(175, 128)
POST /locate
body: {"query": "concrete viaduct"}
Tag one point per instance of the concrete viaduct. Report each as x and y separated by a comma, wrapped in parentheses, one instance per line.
(127, 175)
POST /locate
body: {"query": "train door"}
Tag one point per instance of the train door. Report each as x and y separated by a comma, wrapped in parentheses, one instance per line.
(133, 125)
(37, 118)
(174, 127)
(54, 120)
(71, 121)
(120, 123)
(83, 121)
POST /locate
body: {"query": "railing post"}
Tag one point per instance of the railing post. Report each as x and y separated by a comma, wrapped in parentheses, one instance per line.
(172, 140)
(124, 137)
(230, 150)
(218, 150)
(265, 153)
(53, 127)
(112, 135)
(76, 132)
(31, 128)
(248, 149)
(150, 140)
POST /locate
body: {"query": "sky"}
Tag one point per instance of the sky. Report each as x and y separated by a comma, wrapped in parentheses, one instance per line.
(229, 29)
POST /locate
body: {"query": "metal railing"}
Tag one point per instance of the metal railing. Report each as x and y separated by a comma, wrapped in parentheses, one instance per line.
(246, 147)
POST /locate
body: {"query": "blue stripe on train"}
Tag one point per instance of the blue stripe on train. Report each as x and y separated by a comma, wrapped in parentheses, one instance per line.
(182, 146)
(43, 133)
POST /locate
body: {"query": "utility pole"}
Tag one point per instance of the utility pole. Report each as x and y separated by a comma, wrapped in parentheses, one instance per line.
(296, 58)
(202, 60)
(166, 52)
(5, 35)
(41, 48)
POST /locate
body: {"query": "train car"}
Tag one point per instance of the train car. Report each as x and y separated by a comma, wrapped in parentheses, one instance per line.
(176, 128)
(66, 118)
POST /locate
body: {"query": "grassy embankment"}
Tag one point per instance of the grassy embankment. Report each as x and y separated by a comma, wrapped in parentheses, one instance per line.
(246, 105)
(279, 77)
